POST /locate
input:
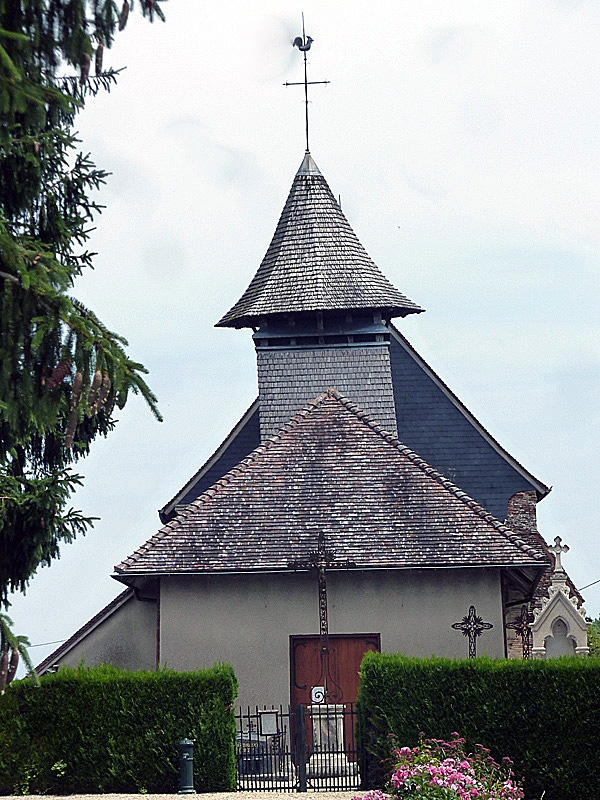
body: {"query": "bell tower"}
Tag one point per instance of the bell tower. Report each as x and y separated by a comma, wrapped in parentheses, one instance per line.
(320, 309)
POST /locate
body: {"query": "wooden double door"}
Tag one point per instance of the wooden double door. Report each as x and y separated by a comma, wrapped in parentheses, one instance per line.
(331, 662)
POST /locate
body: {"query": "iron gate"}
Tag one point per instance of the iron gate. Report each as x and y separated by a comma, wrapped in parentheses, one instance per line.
(309, 748)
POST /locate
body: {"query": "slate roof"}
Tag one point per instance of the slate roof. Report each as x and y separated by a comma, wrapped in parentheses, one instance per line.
(239, 442)
(315, 262)
(434, 422)
(330, 468)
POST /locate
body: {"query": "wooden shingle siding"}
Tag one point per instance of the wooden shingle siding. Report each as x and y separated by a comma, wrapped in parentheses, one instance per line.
(288, 379)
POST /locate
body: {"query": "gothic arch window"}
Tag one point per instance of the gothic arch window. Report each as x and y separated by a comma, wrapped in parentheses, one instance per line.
(559, 643)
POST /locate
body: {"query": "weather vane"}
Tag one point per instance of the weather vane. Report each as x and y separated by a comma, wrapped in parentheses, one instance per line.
(303, 44)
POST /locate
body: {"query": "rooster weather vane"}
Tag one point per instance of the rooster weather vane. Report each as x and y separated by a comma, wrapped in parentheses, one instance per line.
(303, 43)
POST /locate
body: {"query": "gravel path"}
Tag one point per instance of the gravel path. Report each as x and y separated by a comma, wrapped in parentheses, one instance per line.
(208, 796)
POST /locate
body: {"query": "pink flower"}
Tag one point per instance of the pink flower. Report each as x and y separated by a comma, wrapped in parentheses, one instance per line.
(446, 766)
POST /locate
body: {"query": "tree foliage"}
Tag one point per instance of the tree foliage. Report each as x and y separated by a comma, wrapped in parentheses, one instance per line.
(12, 648)
(593, 638)
(63, 374)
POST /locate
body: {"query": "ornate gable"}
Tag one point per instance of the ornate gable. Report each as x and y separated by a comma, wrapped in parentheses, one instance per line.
(559, 626)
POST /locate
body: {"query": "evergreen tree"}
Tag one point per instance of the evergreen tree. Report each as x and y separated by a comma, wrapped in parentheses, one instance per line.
(62, 372)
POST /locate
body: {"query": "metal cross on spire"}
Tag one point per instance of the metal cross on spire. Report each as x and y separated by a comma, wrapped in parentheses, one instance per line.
(303, 43)
(472, 626)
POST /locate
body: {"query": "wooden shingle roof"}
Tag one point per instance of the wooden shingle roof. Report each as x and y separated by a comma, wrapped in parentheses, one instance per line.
(330, 468)
(315, 262)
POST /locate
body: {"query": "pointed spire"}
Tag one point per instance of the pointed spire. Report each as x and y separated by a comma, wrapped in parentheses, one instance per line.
(315, 262)
(308, 166)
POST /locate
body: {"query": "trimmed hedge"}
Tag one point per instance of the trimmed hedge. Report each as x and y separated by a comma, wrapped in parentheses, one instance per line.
(106, 730)
(545, 715)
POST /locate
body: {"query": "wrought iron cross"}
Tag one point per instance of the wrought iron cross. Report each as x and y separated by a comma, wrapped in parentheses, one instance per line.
(557, 550)
(321, 560)
(472, 626)
(522, 629)
(303, 43)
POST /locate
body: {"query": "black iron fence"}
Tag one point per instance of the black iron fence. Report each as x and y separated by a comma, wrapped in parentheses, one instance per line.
(307, 748)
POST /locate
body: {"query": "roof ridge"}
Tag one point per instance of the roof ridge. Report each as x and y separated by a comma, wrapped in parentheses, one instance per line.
(216, 487)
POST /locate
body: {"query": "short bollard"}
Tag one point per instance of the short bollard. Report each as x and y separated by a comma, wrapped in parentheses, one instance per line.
(186, 767)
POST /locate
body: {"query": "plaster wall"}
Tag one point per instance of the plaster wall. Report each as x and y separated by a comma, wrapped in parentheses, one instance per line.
(246, 620)
(127, 639)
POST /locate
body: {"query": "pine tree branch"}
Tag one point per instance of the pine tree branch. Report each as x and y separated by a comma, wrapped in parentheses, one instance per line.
(62, 372)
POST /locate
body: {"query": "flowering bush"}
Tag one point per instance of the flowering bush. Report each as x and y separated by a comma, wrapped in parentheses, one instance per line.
(439, 770)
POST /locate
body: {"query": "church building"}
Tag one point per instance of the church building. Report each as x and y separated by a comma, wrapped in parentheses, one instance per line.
(357, 505)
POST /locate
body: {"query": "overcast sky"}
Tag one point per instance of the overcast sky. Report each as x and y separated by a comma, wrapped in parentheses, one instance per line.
(463, 138)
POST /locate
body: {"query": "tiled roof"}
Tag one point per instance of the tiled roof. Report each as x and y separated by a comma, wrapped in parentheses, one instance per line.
(431, 419)
(315, 262)
(330, 468)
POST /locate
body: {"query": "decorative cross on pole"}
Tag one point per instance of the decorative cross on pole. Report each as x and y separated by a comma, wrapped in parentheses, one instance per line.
(557, 550)
(522, 629)
(472, 626)
(321, 560)
(303, 43)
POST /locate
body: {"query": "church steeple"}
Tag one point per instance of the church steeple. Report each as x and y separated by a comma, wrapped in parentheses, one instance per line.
(318, 304)
(319, 307)
(315, 263)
